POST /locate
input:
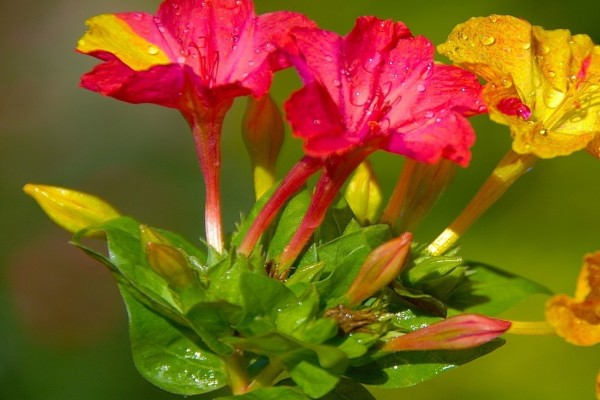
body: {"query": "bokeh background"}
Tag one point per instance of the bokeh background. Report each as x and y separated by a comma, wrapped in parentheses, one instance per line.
(63, 329)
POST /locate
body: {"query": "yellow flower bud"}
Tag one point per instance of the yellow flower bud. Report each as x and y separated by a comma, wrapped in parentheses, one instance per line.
(263, 133)
(167, 261)
(70, 209)
(363, 194)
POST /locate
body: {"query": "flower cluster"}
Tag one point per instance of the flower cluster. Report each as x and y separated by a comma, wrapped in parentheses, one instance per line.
(314, 285)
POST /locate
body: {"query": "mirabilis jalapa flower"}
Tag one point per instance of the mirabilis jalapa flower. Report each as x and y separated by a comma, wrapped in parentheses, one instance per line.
(543, 84)
(195, 56)
(376, 88)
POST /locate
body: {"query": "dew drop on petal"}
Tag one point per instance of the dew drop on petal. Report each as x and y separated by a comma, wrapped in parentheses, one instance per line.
(328, 58)
(250, 63)
(428, 114)
(420, 88)
(152, 50)
(336, 83)
(544, 132)
(526, 46)
(317, 122)
(137, 16)
(551, 74)
(506, 83)
(268, 46)
(464, 36)
(487, 40)
(181, 59)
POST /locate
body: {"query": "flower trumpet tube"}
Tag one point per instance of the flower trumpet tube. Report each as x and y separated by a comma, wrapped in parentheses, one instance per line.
(195, 57)
(508, 170)
(70, 209)
(455, 333)
(380, 268)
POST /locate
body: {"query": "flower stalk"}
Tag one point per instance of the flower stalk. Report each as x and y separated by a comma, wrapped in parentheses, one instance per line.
(509, 169)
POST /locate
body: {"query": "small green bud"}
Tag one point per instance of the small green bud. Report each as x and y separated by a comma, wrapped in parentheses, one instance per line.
(70, 209)
(363, 194)
(263, 133)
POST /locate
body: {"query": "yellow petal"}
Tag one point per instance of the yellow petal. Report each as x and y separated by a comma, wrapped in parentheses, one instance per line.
(110, 34)
(363, 194)
(577, 319)
(70, 209)
(496, 47)
(554, 74)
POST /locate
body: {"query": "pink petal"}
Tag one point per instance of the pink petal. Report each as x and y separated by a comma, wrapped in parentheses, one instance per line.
(514, 106)
(315, 118)
(162, 84)
(447, 137)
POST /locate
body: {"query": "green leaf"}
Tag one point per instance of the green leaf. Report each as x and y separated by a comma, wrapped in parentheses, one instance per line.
(315, 368)
(270, 393)
(408, 368)
(349, 390)
(288, 223)
(335, 222)
(128, 257)
(488, 290)
(170, 356)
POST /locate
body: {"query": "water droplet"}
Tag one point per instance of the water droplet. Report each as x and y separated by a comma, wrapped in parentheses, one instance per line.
(152, 50)
(551, 74)
(245, 75)
(336, 83)
(268, 46)
(464, 36)
(420, 88)
(544, 132)
(545, 50)
(526, 46)
(235, 38)
(181, 59)
(137, 16)
(328, 58)
(428, 114)
(506, 83)
(494, 18)
(161, 29)
(438, 120)
(487, 40)
(251, 63)
(317, 122)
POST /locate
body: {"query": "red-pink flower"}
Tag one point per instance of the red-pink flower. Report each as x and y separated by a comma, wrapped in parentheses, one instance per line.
(379, 87)
(376, 88)
(195, 56)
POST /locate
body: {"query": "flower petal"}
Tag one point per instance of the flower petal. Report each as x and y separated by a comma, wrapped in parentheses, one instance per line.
(111, 33)
(577, 319)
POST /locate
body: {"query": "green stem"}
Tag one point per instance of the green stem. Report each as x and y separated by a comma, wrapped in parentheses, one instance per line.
(267, 376)
(239, 381)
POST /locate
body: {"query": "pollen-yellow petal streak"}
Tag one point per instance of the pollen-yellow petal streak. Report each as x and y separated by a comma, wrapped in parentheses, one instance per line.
(108, 33)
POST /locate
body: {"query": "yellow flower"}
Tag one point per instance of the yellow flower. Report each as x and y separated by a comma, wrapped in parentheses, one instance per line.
(577, 319)
(545, 85)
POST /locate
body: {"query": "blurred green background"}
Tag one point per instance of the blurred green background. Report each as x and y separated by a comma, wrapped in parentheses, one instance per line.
(63, 332)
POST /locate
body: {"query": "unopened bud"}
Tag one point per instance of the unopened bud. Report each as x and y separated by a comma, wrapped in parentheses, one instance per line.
(167, 261)
(363, 194)
(263, 133)
(455, 333)
(70, 209)
(380, 268)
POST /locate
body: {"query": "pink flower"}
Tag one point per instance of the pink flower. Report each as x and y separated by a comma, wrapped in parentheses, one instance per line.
(196, 56)
(376, 88)
(379, 88)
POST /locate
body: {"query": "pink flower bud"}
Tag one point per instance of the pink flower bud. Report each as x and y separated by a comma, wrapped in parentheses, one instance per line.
(455, 333)
(380, 268)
